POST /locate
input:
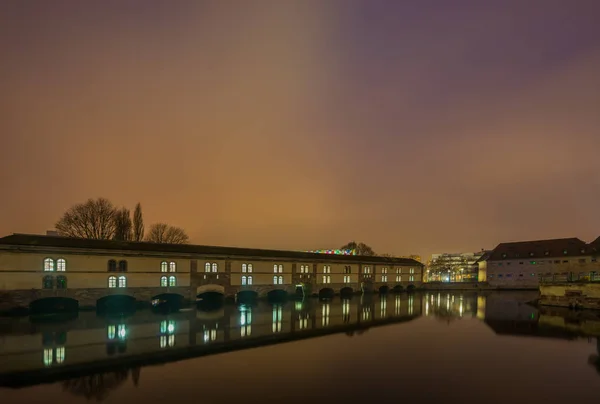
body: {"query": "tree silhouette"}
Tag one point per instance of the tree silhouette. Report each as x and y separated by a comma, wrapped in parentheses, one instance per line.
(165, 234)
(123, 225)
(98, 386)
(92, 219)
(359, 248)
(138, 223)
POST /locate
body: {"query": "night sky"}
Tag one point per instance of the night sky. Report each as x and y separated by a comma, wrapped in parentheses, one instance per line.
(414, 126)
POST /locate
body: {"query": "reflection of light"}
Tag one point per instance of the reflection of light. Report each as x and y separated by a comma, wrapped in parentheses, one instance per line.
(426, 308)
(171, 328)
(298, 306)
(460, 308)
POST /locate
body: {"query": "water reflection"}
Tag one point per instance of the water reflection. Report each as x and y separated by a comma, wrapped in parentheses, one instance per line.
(98, 386)
(77, 345)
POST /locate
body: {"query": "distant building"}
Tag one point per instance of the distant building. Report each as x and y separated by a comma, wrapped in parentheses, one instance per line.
(454, 267)
(524, 264)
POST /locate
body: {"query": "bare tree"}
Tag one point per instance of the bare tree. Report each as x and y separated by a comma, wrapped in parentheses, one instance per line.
(93, 219)
(360, 248)
(138, 223)
(163, 233)
(123, 225)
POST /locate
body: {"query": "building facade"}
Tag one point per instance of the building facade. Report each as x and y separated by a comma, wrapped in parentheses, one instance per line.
(454, 267)
(526, 264)
(37, 267)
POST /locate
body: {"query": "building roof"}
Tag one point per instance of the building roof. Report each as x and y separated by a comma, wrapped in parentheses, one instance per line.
(595, 245)
(27, 240)
(562, 247)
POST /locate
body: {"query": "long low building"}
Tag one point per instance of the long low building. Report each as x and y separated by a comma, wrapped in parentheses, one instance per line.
(526, 264)
(35, 267)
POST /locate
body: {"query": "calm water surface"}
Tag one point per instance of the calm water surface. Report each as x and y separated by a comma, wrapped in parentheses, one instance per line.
(435, 346)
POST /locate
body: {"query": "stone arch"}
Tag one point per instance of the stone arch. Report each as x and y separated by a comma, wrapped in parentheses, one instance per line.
(55, 304)
(326, 293)
(346, 291)
(277, 295)
(410, 288)
(247, 296)
(170, 301)
(210, 288)
(384, 289)
(397, 289)
(116, 303)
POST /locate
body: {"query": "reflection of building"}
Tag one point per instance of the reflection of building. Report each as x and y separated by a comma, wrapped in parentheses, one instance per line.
(449, 306)
(524, 264)
(454, 267)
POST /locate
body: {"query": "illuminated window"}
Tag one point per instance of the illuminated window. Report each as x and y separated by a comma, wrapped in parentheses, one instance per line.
(164, 282)
(48, 282)
(411, 271)
(172, 267)
(304, 269)
(112, 266)
(207, 267)
(167, 341)
(249, 280)
(383, 278)
(172, 281)
(122, 266)
(61, 265)
(164, 266)
(366, 270)
(244, 268)
(278, 268)
(326, 269)
(48, 356)
(398, 278)
(61, 282)
(326, 278)
(278, 280)
(112, 281)
(411, 278)
(244, 280)
(122, 282)
(111, 331)
(48, 264)
(347, 279)
(347, 269)
(214, 266)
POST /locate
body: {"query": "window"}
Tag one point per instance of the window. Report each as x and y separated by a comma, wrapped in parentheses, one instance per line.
(411, 271)
(172, 267)
(61, 265)
(61, 282)
(347, 269)
(278, 280)
(383, 278)
(411, 278)
(246, 268)
(214, 267)
(112, 266)
(122, 266)
(249, 279)
(347, 279)
(48, 282)
(48, 264)
(164, 266)
(112, 281)
(384, 270)
(122, 282)
(278, 268)
(398, 278)
(304, 269)
(326, 269)
(366, 270)
(172, 281)
(326, 278)
(398, 270)
(244, 280)
(163, 281)
(207, 267)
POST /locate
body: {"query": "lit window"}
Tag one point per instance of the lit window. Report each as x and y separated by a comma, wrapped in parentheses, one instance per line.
(60, 354)
(411, 270)
(207, 267)
(48, 356)
(164, 266)
(122, 266)
(326, 269)
(112, 281)
(383, 278)
(172, 281)
(249, 280)
(48, 264)
(112, 266)
(111, 331)
(215, 267)
(48, 282)
(167, 340)
(411, 278)
(122, 282)
(249, 267)
(347, 279)
(61, 265)
(172, 267)
(61, 282)
(163, 281)
(244, 280)
(398, 278)
(366, 270)
(278, 268)
(244, 268)
(326, 278)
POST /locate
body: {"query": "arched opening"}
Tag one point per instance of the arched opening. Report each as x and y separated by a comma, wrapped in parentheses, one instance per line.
(326, 293)
(51, 305)
(384, 289)
(210, 297)
(116, 304)
(346, 291)
(277, 295)
(247, 296)
(210, 288)
(410, 288)
(397, 289)
(168, 302)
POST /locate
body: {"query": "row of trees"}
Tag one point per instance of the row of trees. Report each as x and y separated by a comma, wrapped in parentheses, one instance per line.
(99, 219)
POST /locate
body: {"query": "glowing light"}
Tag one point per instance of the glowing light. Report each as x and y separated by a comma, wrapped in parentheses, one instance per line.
(334, 252)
